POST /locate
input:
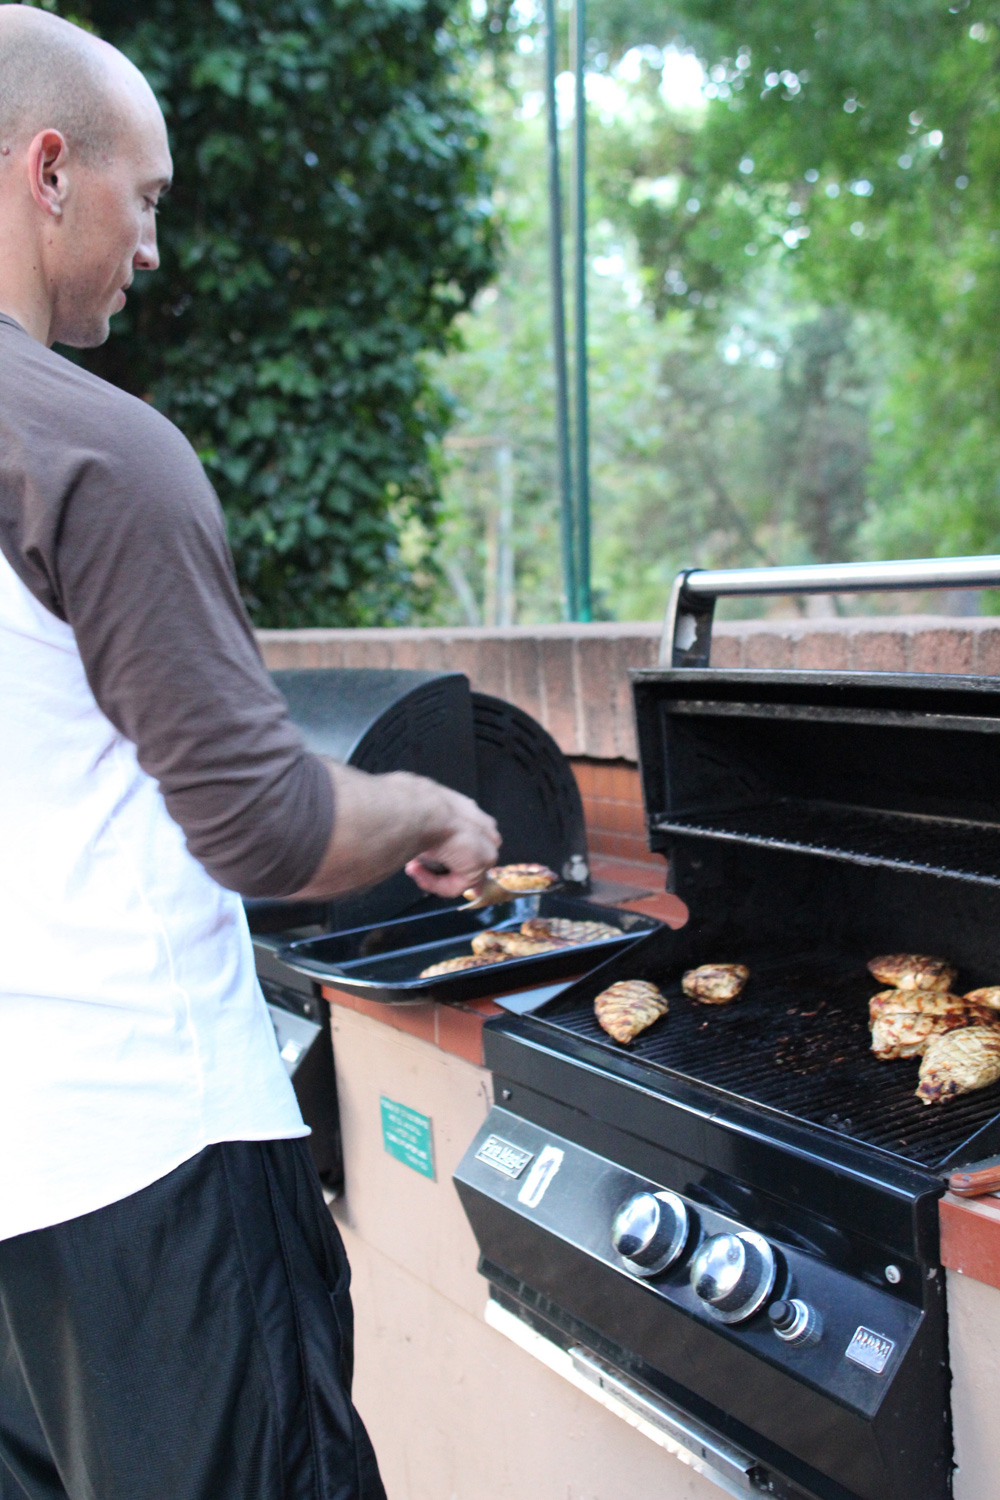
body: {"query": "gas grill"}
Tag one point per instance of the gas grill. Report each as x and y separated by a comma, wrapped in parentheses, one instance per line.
(728, 1228)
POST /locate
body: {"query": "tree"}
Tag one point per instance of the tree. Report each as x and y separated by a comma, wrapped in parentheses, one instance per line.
(329, 220)
(501, 383)
(858, 143)
(730, 414)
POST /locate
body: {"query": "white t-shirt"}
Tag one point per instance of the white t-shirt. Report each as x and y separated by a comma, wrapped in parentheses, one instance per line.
(132, 1029)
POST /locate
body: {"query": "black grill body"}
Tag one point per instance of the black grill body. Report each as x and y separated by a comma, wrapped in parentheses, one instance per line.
(301, 1020)
(431, 724)
(811, 821)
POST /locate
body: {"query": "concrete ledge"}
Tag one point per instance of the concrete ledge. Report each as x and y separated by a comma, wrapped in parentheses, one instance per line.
(574, 678)
(970, 1236)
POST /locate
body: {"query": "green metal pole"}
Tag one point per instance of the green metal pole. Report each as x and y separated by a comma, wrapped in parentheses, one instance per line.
(579, 40)
(564, 460)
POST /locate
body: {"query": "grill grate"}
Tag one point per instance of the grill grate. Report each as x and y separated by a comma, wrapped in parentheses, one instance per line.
(903, 841)
(797, 1041)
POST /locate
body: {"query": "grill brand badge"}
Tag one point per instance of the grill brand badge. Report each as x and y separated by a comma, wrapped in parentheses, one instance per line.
(870, 1349)
(504, 1157)
(535, 1185)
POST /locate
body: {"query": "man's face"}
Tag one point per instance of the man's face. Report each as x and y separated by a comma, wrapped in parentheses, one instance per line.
(108, 230)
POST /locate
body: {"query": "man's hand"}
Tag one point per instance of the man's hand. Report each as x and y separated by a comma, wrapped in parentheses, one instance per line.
(467, 850)
(383, 823)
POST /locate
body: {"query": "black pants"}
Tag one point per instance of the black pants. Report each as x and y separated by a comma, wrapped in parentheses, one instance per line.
(192, 1342)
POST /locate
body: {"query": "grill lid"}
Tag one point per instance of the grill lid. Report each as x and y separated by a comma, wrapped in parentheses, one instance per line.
(897, 771)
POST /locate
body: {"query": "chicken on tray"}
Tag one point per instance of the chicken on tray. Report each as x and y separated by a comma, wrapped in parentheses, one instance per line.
(513, 944)
(568, 930)
(536, 935)
(459, 965)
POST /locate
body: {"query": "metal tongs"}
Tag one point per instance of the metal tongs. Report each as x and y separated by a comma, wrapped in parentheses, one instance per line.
(494, 888)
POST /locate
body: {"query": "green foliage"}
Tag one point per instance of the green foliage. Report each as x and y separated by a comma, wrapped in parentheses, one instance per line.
(856, 144)
(330, 218)
(501, 382)
(732, 437)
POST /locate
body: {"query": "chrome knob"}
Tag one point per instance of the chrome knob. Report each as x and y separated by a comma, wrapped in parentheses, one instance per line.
(733, 1274)
(649, 1231)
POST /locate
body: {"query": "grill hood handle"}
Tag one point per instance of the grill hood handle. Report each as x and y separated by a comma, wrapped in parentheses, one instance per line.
(687, 628)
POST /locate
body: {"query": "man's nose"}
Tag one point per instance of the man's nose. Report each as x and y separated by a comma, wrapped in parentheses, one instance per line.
(147, 257)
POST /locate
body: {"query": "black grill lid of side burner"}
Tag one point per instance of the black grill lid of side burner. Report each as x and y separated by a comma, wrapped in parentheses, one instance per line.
(813, 820)
(430, 723)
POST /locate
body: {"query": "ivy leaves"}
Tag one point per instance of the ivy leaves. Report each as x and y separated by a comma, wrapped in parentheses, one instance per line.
(330, 218)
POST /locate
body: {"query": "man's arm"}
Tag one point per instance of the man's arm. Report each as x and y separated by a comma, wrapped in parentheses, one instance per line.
(382, 823)
(124, 540)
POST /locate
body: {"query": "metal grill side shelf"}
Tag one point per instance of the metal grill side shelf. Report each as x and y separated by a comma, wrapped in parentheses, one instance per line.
(687, 628)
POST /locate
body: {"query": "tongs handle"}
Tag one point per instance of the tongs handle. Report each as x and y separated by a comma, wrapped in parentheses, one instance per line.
(978, 1178)
(687, 628)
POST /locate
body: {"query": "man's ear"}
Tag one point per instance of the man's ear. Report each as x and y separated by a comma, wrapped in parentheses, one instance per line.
(47, 174)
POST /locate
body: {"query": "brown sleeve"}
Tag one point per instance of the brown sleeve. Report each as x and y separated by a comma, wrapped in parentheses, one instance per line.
(125, 540)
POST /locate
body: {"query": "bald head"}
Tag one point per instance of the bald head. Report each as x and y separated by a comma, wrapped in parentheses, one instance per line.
(84, 159)
(55, 76)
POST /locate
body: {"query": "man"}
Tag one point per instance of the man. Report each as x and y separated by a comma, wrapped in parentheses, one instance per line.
(174, 1316)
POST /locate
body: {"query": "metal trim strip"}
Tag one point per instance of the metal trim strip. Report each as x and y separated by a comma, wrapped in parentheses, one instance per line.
(720, 1462)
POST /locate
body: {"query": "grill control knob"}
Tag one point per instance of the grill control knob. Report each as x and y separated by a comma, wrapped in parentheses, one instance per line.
(649, 1231)
(733, 1274)
(795, 1322)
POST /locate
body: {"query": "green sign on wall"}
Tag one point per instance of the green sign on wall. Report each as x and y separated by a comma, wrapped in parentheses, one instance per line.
(406, 1135)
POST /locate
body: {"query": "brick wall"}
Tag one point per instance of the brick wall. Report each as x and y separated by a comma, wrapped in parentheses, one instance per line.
(574, 678)
(612, 806)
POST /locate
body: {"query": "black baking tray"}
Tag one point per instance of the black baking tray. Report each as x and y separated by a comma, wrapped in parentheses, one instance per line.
(383, 962)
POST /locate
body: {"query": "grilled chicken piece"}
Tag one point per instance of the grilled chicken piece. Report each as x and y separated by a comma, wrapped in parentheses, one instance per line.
(913, 971)
(568, 931)
(917, 1002)
(989, 997)
(513, 944)
(959, 1062)
(908, 1033)
(903, 1022)
(715, 984)
(628, 1007)
(523, 877)
(456, 965)
(488, 944)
